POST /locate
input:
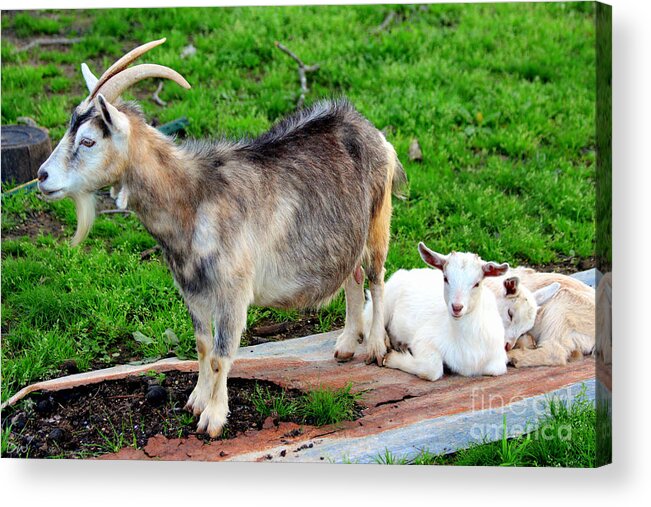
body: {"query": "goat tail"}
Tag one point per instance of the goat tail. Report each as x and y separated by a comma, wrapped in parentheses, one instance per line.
(397, 174)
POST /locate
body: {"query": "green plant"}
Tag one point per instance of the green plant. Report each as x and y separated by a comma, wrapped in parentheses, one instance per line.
(273, 404)
(158, 377)
(329, 406)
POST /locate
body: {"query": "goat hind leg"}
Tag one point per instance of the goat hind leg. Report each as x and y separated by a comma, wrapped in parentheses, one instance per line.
(377, 247)
(353, 332)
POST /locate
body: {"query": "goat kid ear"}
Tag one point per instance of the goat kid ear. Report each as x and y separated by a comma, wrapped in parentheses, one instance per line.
(511, 285)
(546, 293)
(494, 269)
(430, 257)
(89, 77)
(113, 118)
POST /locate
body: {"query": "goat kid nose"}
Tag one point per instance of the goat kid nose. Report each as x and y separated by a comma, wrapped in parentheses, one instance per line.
(457, 308)
(42, 175)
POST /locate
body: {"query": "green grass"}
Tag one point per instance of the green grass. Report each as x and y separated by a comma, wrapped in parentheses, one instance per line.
(564, 437)
(500, 96)
(319, 407)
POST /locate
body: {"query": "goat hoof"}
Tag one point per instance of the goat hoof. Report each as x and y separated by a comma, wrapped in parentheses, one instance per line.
(342, 357)
(379, 360)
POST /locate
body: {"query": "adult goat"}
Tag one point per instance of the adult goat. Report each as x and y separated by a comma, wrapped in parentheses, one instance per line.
(283, 220)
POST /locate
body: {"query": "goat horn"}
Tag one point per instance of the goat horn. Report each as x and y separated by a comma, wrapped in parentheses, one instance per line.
(123, 63)
(128, 77)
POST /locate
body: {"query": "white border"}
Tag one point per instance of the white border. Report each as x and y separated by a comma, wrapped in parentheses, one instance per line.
(52, 483)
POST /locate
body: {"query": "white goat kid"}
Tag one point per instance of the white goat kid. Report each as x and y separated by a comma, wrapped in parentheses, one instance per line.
(517, 305)
(565, 326)
(445, 316)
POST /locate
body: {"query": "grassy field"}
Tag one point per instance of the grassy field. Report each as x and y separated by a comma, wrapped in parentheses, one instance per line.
(500, 97)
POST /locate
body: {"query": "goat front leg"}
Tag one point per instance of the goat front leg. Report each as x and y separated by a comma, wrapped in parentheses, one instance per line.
(354, 328)
(547, 354)
(202, 322)
(229, 325)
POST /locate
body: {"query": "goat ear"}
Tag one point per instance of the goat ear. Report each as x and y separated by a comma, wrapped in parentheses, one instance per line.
(430, 257)
(494, 269)
(89, 77)
(511, 285)
(546, 293)
(113, 118)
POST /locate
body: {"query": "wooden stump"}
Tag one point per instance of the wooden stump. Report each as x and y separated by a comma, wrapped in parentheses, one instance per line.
(24, 149)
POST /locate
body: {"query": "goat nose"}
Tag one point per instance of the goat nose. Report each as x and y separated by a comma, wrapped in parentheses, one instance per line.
(42, 175)
(457, 308)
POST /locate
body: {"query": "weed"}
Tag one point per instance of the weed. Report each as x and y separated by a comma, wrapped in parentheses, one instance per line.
(329, 406)
(277, 405)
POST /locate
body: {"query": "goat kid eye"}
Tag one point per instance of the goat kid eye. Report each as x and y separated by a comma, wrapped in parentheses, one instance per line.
(476, 285)
(445, 279)
(510, 314)
(87, 142)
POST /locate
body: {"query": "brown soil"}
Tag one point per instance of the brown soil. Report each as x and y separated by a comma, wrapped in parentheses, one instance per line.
(101, 418)
(36, 223)
(566, 265)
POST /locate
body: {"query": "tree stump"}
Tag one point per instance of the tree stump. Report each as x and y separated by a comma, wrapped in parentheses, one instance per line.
(24, 149)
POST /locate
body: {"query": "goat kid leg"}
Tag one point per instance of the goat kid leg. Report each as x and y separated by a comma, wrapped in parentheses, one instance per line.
(547, 354)
(420, 359)
(228, 330)
(354, 329)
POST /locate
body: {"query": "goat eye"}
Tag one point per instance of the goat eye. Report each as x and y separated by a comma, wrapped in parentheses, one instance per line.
(87, 142)
(476, 285)
(445, 279)
(510, 314)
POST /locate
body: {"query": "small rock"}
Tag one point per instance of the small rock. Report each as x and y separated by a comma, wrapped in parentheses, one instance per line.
(268, 423)
(415, 153)
(56, 435)
(18, 422)
(31, 441)
(45, 405)
(188, 50)
(156, 395)
(69, 367)
(283, 453)
(223, 453)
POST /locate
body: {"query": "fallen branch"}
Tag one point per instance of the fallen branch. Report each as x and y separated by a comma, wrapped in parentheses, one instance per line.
(49, 42)
(155, 96)
(148, 253)
(302, 70)
(387, 21)
(110, 211)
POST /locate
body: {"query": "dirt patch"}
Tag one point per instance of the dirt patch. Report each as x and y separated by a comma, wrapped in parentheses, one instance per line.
(35, 224)
(565, 265)
(105, 417)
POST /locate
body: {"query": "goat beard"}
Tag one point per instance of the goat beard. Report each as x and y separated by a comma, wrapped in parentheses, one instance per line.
(85, 206)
